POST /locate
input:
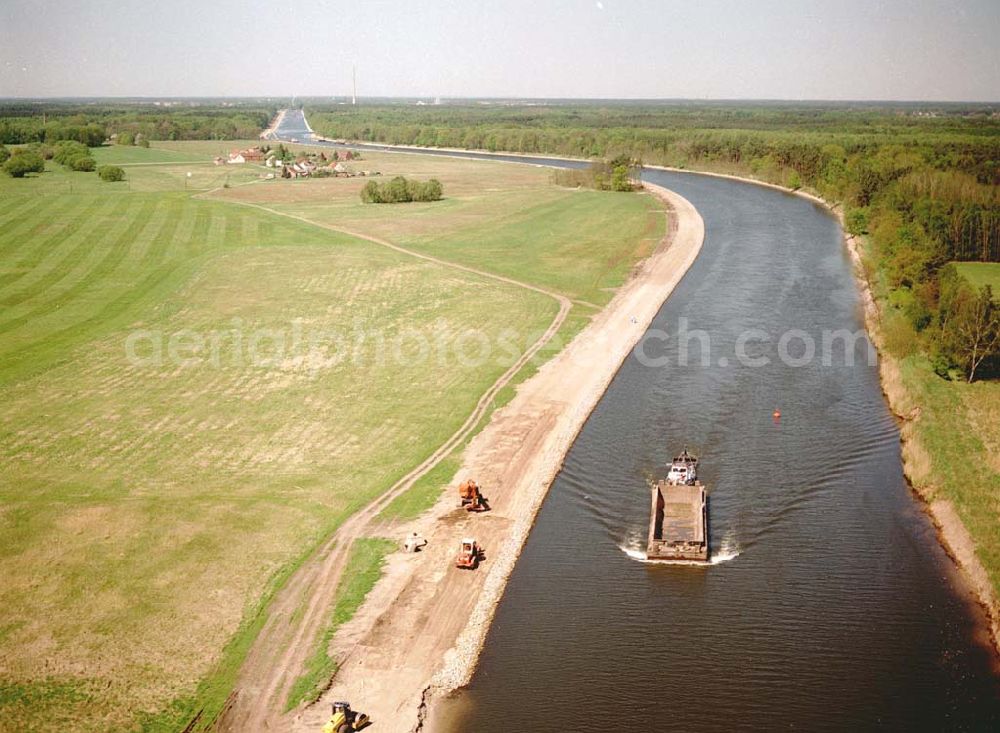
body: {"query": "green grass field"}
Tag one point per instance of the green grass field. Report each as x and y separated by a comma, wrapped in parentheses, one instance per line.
(193, 393)
(128, 155)
(500, 217)
(981, 274)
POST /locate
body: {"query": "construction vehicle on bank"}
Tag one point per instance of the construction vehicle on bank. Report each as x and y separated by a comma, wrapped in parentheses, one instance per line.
(469, 555)
(345, 720)
(472, 497)
(414, 543)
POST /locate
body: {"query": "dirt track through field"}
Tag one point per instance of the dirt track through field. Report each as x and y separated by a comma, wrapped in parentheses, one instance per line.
(298, 614)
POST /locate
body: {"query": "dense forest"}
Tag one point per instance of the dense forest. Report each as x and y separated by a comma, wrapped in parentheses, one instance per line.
(92, 124)
(922, 182)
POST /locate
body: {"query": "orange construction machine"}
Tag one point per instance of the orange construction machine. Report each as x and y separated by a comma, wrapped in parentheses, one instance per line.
(469, 555)
(472, 498)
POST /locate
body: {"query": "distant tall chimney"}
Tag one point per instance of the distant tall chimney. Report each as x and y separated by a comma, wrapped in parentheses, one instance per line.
(354, 79)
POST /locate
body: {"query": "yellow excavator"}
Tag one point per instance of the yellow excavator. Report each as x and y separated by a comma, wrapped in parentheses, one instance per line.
(345, 720)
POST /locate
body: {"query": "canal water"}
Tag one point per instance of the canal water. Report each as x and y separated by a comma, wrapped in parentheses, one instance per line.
(829, 604)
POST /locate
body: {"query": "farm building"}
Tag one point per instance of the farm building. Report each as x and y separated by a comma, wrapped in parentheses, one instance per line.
(255, 155)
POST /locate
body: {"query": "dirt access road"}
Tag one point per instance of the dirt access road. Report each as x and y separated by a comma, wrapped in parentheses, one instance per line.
(419, 633)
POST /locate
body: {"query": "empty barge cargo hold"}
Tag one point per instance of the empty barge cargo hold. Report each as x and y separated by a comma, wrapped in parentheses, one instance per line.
(678, 523)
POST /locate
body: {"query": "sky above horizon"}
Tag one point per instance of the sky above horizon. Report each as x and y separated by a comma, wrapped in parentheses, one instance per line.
(650, 49)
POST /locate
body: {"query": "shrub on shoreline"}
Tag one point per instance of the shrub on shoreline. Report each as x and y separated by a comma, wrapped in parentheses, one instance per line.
(619, 174)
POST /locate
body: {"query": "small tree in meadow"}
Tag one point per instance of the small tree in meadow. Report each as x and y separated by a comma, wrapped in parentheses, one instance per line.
(83, 163)
(23, 162)
(111, 173)
(74, 155)
(399, 190)
(370, 193)
(46, 151)
(66, 150)
(432, 190)
(972, 328)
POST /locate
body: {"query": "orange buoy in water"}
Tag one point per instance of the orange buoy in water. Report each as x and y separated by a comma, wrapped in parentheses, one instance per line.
(776, 415)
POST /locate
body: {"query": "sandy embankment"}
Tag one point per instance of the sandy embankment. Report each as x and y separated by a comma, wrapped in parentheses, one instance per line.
(420, 632)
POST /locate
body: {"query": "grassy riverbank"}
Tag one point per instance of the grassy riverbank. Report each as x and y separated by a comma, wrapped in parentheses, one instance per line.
(951, 435)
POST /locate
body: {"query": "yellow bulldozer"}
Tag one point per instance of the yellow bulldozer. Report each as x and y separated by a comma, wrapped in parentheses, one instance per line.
(345, 720)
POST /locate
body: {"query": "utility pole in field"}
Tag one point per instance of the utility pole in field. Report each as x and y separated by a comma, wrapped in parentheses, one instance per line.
(354, 81)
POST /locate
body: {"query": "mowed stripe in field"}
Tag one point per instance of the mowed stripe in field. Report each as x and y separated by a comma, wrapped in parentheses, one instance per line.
(20, 223)
(55, 257)
(70, 263)
(28, 238)
(70, 276)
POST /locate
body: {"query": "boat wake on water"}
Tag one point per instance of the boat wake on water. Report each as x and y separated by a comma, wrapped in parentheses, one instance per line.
(636, 553)
(729, 549)
(634, 546)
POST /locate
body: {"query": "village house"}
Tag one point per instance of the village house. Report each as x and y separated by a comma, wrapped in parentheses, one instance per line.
(255, 155)
(299, 169)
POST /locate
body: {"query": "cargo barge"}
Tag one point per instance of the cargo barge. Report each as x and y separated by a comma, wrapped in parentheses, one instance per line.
(678, 521)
